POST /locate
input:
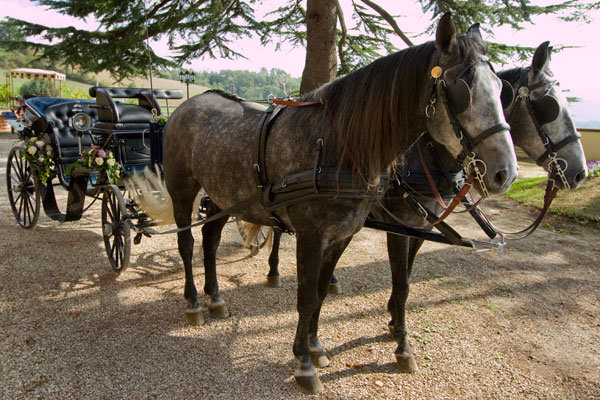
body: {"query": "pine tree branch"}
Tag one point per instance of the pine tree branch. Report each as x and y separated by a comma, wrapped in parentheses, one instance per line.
(390, 20)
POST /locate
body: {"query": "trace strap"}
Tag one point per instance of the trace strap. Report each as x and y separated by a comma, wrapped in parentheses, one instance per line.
(225, 213)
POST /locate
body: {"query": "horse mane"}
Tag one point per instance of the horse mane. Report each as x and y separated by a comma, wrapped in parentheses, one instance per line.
(373, 110)
(227, 95)
(511, 75)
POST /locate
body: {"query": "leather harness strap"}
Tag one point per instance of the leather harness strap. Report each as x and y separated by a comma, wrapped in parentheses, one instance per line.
(434, 188)
(260, 144)
(293, 103)
(461, 194)
(549, 195)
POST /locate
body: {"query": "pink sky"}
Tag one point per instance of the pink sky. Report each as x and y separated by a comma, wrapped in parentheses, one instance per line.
(572, 67)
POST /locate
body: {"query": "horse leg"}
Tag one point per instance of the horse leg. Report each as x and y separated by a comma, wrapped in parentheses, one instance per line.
(182, 212)
(315, 268)
(401, 251)
(309, 254)
(273, 279)
(211, 237)
(330, 259)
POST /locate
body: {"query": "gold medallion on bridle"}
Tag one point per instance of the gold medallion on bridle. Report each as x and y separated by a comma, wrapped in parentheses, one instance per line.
(523, 91)
(436, 72)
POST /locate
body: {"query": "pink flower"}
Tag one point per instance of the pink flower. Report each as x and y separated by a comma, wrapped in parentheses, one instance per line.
(94, 147)
(101, 153)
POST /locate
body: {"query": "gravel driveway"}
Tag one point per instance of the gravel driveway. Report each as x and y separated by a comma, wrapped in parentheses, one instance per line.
(525, 325)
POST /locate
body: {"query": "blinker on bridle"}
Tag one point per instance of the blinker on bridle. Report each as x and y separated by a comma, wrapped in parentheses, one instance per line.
(456, 99)
(543, 111)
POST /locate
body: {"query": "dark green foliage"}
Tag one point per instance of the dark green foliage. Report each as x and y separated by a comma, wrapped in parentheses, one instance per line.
(207, 28)
(34, 87)
(246, 84)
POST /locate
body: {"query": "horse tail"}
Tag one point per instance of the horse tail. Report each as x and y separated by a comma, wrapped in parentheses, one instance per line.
(254, 233)
(149, 191)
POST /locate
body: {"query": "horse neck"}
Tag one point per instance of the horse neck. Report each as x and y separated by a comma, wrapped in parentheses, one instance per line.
(377, 112)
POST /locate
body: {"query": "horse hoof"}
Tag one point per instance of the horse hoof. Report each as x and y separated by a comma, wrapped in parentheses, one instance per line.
(273, 281)
(406, 363)
(319, 359)
(309, 384)
(194, 316)
(218, 310)
(335, 288)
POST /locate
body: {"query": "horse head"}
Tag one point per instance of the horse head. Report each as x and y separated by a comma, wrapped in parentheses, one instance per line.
(467, 99)
(542, 124)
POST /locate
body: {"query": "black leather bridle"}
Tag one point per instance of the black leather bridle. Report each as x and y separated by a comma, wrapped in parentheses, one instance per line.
(456, 98)
(543, 111)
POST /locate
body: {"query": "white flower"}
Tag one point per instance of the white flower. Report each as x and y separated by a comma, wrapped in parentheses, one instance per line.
(99, 160)
(41, 159)
(40, 144)
(110, 162)
(32, 150)
(49, 153)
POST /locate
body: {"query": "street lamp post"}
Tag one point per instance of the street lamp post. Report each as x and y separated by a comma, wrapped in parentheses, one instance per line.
(187, 77)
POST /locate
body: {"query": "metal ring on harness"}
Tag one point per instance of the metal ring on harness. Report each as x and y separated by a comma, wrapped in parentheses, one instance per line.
(555, 164)
(430, 109)
(471, 165)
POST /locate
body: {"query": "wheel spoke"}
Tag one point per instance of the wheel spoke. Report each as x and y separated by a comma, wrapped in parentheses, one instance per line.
(20, 205)
(26, 210)
(115, 206)
(112, 247)
(18, 167)
(109, 214)
(30, 208)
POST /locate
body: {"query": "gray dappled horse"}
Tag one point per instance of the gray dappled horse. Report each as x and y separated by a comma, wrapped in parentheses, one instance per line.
(209, 142)
(541, 125)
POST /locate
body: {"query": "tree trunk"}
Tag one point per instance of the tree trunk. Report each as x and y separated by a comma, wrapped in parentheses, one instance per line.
(321, 62)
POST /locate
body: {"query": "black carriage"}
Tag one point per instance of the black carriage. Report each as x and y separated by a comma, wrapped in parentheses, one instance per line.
(128, 129)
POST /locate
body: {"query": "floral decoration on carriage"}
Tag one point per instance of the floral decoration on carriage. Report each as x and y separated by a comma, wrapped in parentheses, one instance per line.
(97, 159)
(39, 155)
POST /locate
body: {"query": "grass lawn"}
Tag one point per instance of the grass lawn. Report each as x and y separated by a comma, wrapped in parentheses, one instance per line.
(582, 204)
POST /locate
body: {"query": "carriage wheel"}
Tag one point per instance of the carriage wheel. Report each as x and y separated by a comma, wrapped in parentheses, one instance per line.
(115, 229)
(23, 195)
(261, 239)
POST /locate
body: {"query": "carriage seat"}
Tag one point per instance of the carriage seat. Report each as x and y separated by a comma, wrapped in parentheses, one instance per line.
(118, 116)
(129, 124)
(65, 138)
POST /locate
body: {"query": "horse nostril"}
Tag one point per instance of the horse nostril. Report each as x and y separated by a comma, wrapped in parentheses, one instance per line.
(580, 176)
(500, 178)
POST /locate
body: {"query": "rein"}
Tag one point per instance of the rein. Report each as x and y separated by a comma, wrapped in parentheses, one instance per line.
(432, 184)
(549, 195)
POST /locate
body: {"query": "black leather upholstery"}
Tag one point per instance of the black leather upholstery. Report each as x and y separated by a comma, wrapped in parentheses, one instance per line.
(65, 138)
(130, 93)
(128, 124)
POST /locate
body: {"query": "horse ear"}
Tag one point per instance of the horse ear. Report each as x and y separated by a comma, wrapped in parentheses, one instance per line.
(541, 57)
(444, 34)
(474, 32)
